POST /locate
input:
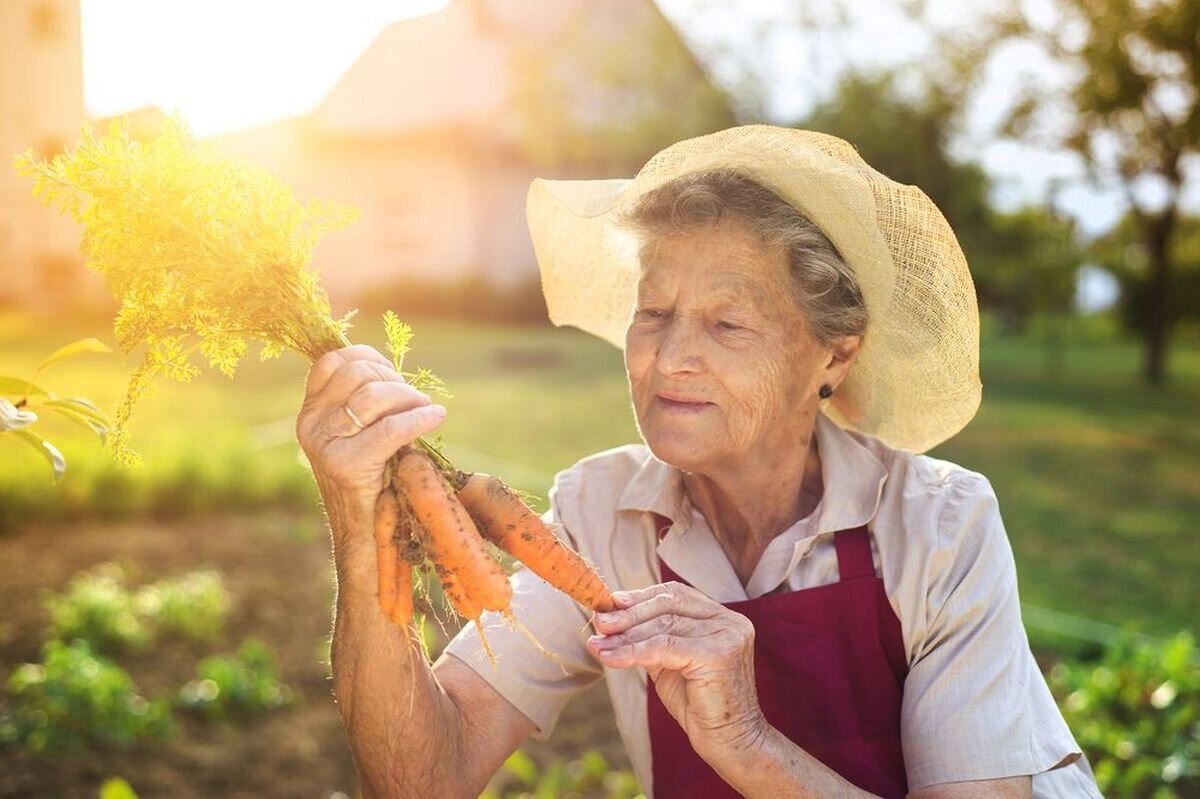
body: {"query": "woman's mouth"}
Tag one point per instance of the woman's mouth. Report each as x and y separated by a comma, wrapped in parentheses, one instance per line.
(676, 404)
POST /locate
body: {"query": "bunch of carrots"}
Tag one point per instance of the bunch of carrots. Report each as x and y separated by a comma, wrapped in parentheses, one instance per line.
(205, 253)
(429, 513)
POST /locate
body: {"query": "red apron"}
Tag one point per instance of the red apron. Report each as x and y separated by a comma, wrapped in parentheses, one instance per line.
(829, 664)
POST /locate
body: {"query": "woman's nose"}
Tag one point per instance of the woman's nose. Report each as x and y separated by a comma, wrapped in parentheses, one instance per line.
(679, 349)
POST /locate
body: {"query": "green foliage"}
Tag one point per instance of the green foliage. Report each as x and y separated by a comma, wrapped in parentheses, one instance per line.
(1136, 715)
(1123, 251)
(1125, 98)
(17, 416)
(242, 685)
(98, 607)
(589, 775)
(195, 605)
(399, 337)
(202, 253)
(75, 699)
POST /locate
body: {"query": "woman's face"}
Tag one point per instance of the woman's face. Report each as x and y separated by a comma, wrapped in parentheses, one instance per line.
(720, 361)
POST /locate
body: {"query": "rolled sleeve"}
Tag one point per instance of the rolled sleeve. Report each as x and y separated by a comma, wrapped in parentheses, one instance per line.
(975, 704)
(537, 683)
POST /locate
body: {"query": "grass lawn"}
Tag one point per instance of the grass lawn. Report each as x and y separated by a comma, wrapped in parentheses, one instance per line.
(1097, 475)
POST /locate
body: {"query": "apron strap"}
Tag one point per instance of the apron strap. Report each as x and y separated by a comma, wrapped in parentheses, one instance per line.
(854, 553)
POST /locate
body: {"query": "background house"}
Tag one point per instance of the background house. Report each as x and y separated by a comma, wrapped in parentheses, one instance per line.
(434, 133)
(41, 108)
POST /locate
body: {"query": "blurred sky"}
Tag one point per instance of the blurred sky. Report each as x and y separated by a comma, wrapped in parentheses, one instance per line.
(228, 64)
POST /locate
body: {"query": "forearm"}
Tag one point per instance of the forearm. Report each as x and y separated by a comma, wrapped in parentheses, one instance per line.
(403, 729)
(774, 766)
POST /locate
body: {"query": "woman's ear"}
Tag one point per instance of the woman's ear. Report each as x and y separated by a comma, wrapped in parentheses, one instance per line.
(842, 354)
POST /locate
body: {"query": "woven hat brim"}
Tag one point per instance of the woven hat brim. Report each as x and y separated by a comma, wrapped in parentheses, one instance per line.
(916, 380)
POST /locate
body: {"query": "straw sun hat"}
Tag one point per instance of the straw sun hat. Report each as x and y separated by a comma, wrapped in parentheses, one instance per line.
(916, 380)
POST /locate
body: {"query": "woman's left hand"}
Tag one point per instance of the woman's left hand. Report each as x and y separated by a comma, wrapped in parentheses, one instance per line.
(700, 656)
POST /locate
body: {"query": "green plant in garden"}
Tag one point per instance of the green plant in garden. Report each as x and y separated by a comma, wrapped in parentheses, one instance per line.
(588, 775)
(245, 684)
(21, 401)
(193, 606)
(75, 698)
(97, 608)
(1136, 714)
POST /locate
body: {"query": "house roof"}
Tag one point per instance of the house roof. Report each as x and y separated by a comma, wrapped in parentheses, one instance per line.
(455, 68)
(423, 72)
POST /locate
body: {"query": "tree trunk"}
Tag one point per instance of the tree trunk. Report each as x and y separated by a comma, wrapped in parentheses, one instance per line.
(1158, 245)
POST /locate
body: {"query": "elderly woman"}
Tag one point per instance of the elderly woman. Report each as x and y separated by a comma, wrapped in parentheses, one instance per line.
(806, 607)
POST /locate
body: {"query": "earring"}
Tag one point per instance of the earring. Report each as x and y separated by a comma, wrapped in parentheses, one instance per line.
(825, 392)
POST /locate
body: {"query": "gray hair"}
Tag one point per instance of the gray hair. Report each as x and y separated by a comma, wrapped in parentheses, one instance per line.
(824, 286)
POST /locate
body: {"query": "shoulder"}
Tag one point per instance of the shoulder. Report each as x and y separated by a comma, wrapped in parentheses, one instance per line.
(942, 494)
(938, 519)
(602, 473)
(590, 490)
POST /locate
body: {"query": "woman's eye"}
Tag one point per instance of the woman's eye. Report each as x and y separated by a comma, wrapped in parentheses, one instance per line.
(727, 325)
(653, 313)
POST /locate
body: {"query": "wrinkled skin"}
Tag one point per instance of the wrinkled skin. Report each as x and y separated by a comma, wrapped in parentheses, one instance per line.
(716, 330)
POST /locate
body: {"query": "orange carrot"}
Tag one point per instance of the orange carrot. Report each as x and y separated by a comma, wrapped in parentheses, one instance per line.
(450, 537)
(387, 512)
(511, 525)
(464, 603)
(402, 538)
(402, 611)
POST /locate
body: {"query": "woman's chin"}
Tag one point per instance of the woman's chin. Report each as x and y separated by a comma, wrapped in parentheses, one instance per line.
(686, 452)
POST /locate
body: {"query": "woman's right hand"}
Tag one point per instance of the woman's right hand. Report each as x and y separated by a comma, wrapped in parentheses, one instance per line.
(348, 461)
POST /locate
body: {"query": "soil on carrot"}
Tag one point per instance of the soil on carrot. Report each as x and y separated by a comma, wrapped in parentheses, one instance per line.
(277, 569)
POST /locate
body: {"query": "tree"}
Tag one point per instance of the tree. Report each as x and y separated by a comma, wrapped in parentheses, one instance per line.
(1122, 251)
(1132, 92)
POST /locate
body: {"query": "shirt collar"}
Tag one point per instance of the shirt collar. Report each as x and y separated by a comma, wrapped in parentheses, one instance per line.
(656, 487)
(853, 479)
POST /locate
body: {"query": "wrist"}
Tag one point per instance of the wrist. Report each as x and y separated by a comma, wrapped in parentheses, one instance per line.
(735, 742)
(351, 532)
(757, 761)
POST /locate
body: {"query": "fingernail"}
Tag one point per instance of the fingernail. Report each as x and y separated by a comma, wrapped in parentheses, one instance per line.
(436, 410)
(606, 618)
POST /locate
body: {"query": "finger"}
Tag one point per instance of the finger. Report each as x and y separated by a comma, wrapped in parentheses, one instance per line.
(328, 364)
(668, 624)
(628, 598)
(352, 376)
(379, 441)
(646, 603)
(371, 401)
(660, 651)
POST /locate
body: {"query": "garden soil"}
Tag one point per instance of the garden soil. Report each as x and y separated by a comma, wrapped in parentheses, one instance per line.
(277, 569)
